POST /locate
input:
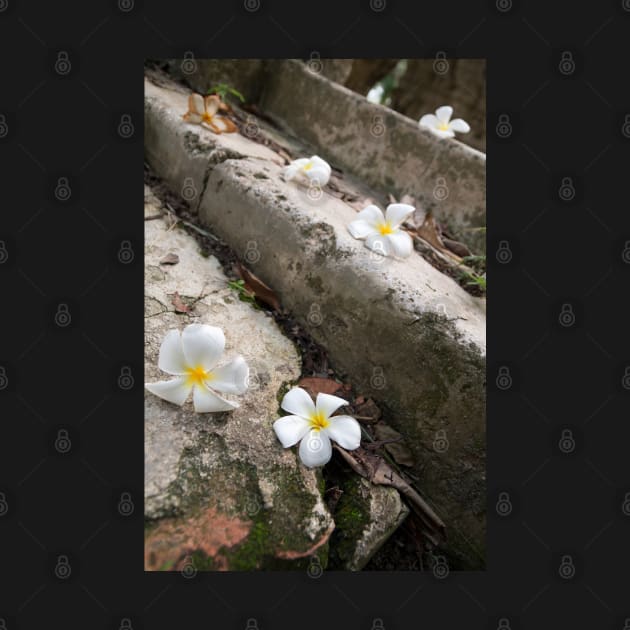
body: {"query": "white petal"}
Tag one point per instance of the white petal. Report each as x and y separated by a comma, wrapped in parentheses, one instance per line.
(317, 161)
(290, 171)
(203, 345)
(315, 449)
(193, 118)
(379, 244)
(230, 378)
(300, 162)
(444, 113)
(196, 104)
(361, 228)
(346, 431)
(443, 133)
(219, 121)
(293, 168)
(372, 214)
(328, 404)
(396, 213)
(400, 243)
(320, 171)
(211, 104)
(175, 390)
(298, 402)
(459, 125)
(206, 401)
(318, 174)
(291, 429)
(429, 120)
(171, 359)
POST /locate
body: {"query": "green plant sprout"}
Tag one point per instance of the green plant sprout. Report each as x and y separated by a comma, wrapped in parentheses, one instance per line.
(243, 294)
(478, 276)
(223, 90)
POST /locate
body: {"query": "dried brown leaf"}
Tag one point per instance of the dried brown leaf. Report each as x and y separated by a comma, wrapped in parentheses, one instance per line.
(170, 259)
(179, 304)
(368, 409)
(317, 384)
(459, 249)
(429, 231)
(256, 286)
(379, 472)
(394, 445)
(360, 203)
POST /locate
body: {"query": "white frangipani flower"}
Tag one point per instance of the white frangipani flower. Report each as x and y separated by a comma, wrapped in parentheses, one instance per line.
(204, 110)
(382, 233)
(313, 169)
(314, 426)
(191, 357)
(441, 124)
(375, 95)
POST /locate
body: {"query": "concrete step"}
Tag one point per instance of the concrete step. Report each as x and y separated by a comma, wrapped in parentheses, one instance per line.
(402, 332)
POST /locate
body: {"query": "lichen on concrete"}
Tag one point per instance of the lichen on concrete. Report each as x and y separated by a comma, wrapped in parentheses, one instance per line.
(424, 362)
(224, 470)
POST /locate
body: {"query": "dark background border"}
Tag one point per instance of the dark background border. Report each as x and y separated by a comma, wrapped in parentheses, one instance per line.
(62, 382)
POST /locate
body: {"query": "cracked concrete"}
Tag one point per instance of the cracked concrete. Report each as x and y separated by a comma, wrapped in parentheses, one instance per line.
(373, 143)
(219, 488)
(401, 331)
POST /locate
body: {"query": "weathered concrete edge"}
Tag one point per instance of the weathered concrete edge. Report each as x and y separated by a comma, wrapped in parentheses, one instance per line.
(444, 175)
(242, 209)
(396, 346)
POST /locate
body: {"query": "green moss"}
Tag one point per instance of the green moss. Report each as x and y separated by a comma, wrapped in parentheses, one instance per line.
(194, 483)
(202, 562)
(271, 534)
(352, 514)
(249, 554)
(271, 531)
(282, 390)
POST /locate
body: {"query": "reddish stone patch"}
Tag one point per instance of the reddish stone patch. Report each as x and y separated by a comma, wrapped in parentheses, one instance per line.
(173, 540)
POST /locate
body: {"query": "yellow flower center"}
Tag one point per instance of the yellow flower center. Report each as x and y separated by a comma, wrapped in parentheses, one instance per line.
(198, 375)
(308, 166)
(443, 126)
(318, 421)
(385, 228)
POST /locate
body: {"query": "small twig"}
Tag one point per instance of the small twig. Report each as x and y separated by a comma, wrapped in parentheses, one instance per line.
(201, 231)
(378, 443)
(192, 226)
(376, 470)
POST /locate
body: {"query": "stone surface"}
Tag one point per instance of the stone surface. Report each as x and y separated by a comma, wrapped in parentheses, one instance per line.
(421, 90)
(219, 488)
(386, 149)
(402, 332)
(167, 136)
(375, 143)
(366, 516)
(244, 75)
